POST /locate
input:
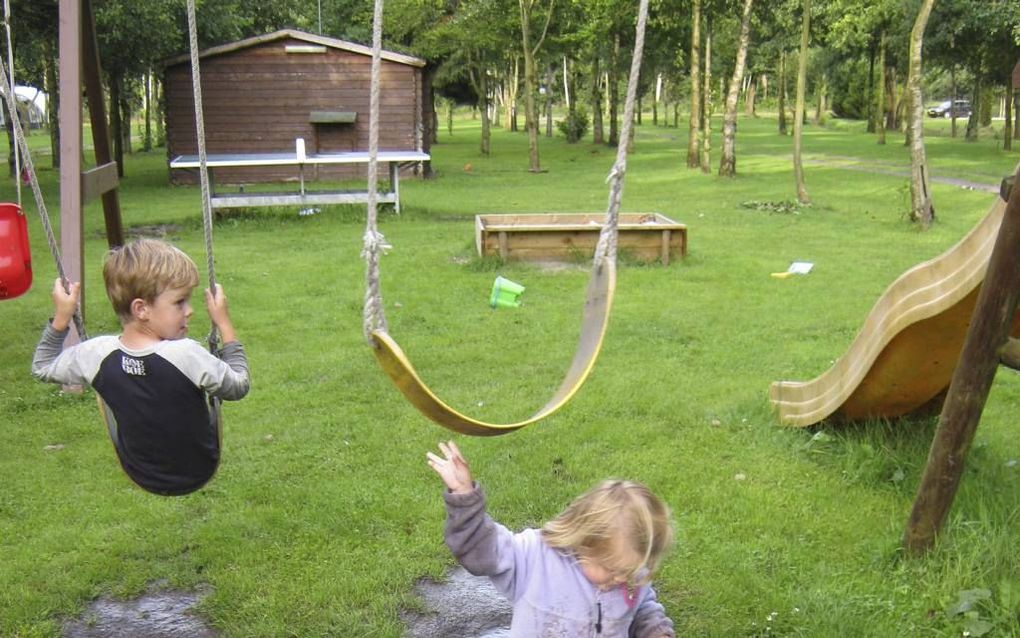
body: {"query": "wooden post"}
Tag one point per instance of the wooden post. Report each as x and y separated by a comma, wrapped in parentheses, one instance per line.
(70, 148)
(97, 114)
(989, 331)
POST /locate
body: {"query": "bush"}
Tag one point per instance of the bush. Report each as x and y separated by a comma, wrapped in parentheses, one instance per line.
(575, 125)
(849, 90)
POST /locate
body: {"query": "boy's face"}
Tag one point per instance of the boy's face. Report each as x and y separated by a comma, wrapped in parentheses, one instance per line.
(167, 316)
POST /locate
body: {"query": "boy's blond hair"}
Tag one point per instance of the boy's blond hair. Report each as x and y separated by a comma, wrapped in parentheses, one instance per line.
(590, 527)
(144, 269)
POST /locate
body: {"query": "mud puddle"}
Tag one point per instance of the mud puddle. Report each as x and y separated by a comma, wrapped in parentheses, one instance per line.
(464, 606)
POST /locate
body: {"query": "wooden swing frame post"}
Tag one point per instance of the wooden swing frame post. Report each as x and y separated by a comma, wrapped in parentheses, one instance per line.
(988, 334)
(69, 116)
(79, 61)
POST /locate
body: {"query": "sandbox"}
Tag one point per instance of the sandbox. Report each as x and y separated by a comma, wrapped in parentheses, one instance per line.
(566, 236)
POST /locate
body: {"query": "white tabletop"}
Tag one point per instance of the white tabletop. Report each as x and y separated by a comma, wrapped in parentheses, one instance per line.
(291, 159)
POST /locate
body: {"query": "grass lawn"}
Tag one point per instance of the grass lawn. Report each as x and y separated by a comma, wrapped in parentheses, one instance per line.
(324, 513)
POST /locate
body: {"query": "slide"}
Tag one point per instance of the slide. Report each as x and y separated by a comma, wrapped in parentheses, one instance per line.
(904, 355)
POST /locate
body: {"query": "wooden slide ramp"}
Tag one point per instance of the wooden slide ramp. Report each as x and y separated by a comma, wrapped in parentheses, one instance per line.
(905, 353)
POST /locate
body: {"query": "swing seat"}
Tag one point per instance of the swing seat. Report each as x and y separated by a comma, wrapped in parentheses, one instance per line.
(15, 256)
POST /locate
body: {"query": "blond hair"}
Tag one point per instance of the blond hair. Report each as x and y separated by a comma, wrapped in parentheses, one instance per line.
(144, 269)
(590, 527)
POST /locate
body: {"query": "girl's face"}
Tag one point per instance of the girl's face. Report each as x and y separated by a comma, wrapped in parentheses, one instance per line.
(614, 567)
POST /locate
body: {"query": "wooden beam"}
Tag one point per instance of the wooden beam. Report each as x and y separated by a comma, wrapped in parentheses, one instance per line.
(99, 181)
(69, 115)
(97, 113)
(989, 329)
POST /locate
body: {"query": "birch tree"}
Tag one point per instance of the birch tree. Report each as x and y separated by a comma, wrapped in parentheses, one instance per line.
(728, 160)
(922, 209)
(693, 160)
(798, 116)
(530, 51)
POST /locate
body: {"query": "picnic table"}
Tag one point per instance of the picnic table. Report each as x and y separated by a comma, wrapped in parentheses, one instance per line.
(394, 159)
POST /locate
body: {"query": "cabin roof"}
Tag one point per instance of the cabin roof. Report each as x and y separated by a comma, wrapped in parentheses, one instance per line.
(310, 38)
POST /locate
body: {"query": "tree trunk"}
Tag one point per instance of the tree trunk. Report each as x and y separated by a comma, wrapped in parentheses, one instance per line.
(1007, 133)
(971, 134)
(821, 108)
(597, 129)
(566, 87)
(613, 93)
(125, 118)
(115, 124)
(693, 160)
(728, 161)
(483, 106)
(549, 79)
(880, 117)
(655, 102)
(147, 138)
(798, 115)
(706, 109)
(921, 210)
(750, 96)
(892, 114)
(872, 117)
(531, 79)
(1016, 112)
(53, 104)
(782, 92)
(426, 98)
(952, 96)
(157, 98)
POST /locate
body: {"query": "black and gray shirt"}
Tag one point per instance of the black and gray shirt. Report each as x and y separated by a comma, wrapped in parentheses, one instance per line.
(155, 403)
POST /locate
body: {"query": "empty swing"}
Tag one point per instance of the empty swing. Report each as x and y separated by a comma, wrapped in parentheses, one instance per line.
(15, 255)
(599, 295)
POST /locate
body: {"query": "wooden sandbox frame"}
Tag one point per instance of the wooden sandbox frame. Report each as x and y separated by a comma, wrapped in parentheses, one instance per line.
(562, 236)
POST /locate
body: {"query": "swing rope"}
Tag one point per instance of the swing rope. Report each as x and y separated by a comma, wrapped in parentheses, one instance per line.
(14, 96)
(374, 319)
(203, 169)
(40, 204)
(598, 299)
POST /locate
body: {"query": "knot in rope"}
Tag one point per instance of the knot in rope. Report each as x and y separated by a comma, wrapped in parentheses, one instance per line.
(374, 242)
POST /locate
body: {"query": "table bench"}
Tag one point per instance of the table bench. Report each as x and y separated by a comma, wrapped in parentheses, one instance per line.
(394, 159)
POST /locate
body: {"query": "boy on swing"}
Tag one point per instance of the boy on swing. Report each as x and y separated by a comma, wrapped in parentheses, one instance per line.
(152, 380)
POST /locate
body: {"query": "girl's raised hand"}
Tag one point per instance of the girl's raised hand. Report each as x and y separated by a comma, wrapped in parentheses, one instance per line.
(452, 468)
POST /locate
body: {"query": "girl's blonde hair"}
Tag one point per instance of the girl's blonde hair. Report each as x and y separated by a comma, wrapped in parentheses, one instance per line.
(592, 527)
(143, 269)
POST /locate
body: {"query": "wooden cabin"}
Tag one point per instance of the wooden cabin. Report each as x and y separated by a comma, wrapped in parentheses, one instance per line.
(262, 93)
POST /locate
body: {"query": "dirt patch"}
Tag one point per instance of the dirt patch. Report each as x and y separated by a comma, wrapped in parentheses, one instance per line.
(161, 231)
(869, 166)
(464, 606)
(159, 613)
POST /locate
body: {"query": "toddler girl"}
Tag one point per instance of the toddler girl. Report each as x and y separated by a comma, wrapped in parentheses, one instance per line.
(585, 573)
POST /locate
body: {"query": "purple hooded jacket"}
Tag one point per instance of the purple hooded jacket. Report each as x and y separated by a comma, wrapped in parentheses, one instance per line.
(551, 596)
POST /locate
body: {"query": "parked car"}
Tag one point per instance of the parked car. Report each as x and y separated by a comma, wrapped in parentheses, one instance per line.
(960, 108)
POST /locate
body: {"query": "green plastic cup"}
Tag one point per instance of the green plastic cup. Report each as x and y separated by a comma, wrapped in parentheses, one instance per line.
(505, 293)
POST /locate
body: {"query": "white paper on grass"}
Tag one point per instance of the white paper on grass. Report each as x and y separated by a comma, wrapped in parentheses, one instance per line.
(800, 267)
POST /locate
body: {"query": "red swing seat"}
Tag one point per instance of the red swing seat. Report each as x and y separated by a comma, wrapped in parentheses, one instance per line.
(15, 257)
